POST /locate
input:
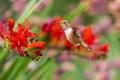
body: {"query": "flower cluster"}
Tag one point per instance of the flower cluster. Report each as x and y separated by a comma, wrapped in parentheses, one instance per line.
(19, 39)
(58, 37)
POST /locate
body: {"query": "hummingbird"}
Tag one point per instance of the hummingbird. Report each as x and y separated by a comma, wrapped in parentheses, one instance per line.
(71, 36)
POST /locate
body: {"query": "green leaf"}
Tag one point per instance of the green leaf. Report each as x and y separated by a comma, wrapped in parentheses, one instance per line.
(18, 64)
(43, 62)
(114, 44)
(25, 13)
(3, 56)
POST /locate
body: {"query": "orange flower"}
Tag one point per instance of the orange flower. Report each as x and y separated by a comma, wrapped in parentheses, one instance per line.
(38, 45)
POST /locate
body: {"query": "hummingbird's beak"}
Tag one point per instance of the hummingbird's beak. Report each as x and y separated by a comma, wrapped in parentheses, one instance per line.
(63, 21)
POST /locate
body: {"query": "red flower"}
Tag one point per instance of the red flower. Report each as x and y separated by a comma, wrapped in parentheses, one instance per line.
(34, 50)
(88, 36)
(103, 48)
(38, 45)
(19, 37)
(49, 26)
(99, 52)
(17, 42)
(68, 44)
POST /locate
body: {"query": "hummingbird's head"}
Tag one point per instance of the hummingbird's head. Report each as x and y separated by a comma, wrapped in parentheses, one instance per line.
(65, 25)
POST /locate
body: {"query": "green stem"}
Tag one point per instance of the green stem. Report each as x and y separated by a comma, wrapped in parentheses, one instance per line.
(34, 7)
(17, 65)
(38, 68)
(3, 56)
(24, 14)
(77, 11)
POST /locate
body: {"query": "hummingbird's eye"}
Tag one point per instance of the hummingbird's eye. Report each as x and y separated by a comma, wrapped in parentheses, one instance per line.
(64, 22)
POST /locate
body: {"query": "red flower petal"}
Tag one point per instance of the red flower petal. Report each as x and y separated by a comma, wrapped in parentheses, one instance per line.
(99, 52)
(2, 30)
(19, 50)
(103, 48)
(39, 45)
(10, 23)
(13, 45)
(19, 28)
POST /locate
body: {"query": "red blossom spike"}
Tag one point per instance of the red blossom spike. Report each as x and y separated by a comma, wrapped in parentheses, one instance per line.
(19, 37)
(34, 50)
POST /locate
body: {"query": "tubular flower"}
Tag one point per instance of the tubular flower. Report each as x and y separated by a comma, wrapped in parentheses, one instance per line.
(38, 45)
(99, 52)
(19, 38)
(33, 50)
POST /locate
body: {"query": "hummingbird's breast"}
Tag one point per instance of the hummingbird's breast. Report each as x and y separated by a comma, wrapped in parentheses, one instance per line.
(71, 37)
